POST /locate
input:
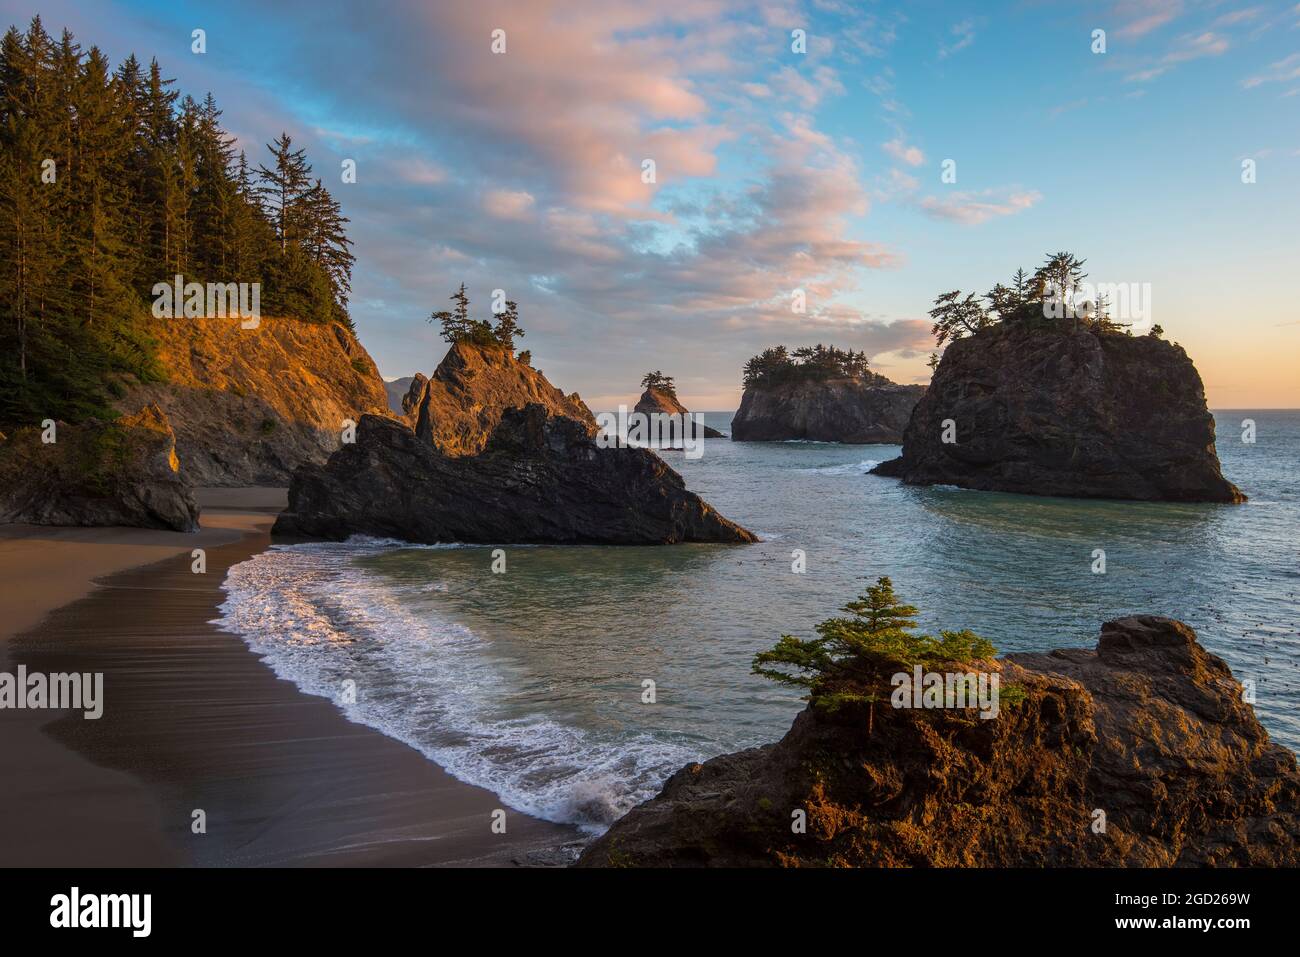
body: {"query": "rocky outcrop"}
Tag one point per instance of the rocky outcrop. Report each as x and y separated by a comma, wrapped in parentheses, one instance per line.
(1141, 753)
(857, 411)
(658, 401)
(251, 405)
(1087, 415)
(541, 478)
(457, 408)
(124, 472)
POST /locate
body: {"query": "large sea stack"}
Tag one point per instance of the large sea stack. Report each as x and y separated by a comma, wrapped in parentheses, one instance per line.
(853, 411)
(456, 409)
(540, 478)
(1085, 414)
(1141, 753)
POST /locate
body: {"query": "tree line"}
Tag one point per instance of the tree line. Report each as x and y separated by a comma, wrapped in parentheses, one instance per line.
(458, 326)
(110, 182)
(779, 364)
(1026, 300)
(660, 383)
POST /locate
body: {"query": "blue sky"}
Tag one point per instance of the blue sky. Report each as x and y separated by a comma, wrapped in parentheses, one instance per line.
(775, 170)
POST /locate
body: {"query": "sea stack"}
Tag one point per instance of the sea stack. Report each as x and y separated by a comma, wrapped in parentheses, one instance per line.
(541, 478)
(660, 398)
(1019, 407)
(456, 409)
(821, 395)
(1140, 753)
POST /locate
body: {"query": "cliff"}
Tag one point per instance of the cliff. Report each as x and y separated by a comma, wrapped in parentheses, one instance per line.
(1084, 414)
(657, 401)
(456, 409)
(1146, 738)
(124, 472)
(858, 410)
(540, 478)
(251, 405)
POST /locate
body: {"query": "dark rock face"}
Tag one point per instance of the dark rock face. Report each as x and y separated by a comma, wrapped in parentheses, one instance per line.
(654, 401)
(1083, 415)
(98, 473)
(854, 411)
(1149, 729)
(457, 408)
(540, 479)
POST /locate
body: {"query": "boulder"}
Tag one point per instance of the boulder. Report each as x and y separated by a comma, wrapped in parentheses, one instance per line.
(658, 401)
(123, 472)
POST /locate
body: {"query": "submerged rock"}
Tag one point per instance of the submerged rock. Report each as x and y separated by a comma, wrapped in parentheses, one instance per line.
(1090, 415)
(858, 411)
(124, 472)
(1141, 753)
(541, 478)
(456, 409)
(659, 401)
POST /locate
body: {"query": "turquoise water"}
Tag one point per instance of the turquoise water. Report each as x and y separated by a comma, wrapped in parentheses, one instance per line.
(531, 682)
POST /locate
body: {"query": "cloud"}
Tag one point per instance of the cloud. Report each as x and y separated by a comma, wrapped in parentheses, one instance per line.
(963, 34)
(900, 151)
(972, 208)
(508, 203)
(1144, 16)
(1188, 47)
(1282, 71)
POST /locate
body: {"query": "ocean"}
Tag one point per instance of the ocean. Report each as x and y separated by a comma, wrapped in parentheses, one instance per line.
(535, 682)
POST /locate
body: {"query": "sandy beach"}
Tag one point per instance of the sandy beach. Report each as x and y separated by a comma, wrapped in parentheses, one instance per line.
(194, 721)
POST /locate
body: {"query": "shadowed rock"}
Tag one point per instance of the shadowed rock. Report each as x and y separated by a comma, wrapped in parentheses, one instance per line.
(123, 472)
(540, 479)
(1086, 415)
(1149, 729)
(857, 411)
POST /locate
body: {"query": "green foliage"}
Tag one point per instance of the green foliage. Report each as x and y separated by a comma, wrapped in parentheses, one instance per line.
(457, 326)
(851, 656)
(818, 363)
(660, 382)
(111, 182)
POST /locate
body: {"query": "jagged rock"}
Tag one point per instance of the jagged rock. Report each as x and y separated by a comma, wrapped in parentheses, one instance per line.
(124, 472)
(457, 408)
(251, 405)
(1085, 414)
(856, 411)
(654, 401)
(540, 479)
(1149, 728)
(397, 391)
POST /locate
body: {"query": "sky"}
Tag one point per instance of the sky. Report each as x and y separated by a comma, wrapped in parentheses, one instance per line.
(778, 166)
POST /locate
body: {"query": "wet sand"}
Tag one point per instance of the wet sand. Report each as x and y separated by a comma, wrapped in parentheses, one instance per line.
(194, 721)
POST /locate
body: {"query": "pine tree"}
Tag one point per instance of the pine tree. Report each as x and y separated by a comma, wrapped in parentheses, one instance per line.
(507, 328)
(850, 659)
(283, 188)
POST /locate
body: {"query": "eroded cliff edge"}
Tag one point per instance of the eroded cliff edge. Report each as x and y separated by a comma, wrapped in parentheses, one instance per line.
(854, 410)
(1149, 729)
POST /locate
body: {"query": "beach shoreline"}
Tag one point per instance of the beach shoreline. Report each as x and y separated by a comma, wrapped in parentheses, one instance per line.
(194, 721)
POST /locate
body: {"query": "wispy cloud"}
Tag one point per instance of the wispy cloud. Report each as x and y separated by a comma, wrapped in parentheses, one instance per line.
(972, 208)
(963, 35)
